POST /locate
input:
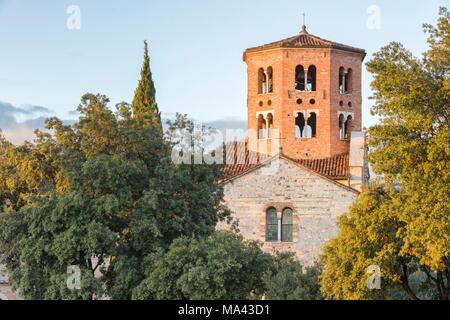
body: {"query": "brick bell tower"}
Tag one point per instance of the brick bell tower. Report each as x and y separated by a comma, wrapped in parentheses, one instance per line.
(305, 93)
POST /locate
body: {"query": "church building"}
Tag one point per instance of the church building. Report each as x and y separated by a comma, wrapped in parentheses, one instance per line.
(302, 164)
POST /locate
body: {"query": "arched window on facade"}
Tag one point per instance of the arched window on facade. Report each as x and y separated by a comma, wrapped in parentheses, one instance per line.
(269, 125)
(312, 73)
(349, 81)
(312, 123)
(287, 225)
(300, 123)
(270, 79)
(300, 78)
(261, 81)
(262, 127)
(341, 80)
(271, 225)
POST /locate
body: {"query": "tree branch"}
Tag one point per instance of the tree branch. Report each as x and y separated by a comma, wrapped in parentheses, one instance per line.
(100, 259)
(428, 273)
(440, 285)
(405, 282)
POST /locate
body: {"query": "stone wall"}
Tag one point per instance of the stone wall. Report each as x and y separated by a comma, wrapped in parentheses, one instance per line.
(6, 293)
(315, 200)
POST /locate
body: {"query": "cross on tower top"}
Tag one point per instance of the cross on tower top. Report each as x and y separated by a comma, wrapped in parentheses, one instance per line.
(304, 23)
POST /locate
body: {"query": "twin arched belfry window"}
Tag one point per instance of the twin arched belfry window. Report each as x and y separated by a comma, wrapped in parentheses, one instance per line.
(305, 80)
(265, 80)
(305, 128)
(265, 126)
(345, 80)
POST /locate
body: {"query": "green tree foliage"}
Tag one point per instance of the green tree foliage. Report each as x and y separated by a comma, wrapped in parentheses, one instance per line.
(406, 226)
(145, 108)
(102, 194)
(369, 236)
(287, 279)
(221, 266)
(180, 201)
(224, 266)
(27, 169)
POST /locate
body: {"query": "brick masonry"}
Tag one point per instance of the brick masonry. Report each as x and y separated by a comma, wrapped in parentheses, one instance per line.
(283, 100)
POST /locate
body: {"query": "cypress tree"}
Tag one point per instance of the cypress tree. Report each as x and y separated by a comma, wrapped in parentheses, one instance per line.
(144, 106)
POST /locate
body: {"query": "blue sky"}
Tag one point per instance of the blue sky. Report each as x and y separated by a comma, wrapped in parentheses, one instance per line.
(196, 47)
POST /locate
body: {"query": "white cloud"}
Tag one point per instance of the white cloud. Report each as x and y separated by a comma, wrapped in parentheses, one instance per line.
(19, 134)
(19, 123)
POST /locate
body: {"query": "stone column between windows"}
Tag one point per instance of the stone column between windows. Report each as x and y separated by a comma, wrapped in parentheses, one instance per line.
(279, 215)
(343, 82)
(279, 230)
(267, 81)
(305, 128)
(306, 79)
(306, 116)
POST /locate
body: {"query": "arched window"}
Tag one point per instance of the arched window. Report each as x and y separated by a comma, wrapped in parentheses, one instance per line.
(261, 81)
(341, 127)
(299, 125)
(312, 123)
(262, 127)
(271, 225)
(341, 80)
(269, 125)
(300, 78)
(270, 80)
(286, 225)
(349, 81)
(348, 128)
(311, 86)
(345, 127)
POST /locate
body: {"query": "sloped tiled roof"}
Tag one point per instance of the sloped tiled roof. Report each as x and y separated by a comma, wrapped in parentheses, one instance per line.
(306, 40)
(241, 161)
(334, 167)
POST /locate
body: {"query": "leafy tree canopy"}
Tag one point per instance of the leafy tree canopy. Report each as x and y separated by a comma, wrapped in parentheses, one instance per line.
(224, 266)
(101, 194)
(287, 279)
(405, 228)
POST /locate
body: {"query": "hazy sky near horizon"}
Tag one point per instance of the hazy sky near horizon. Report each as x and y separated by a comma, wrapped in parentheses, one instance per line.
(196, 47)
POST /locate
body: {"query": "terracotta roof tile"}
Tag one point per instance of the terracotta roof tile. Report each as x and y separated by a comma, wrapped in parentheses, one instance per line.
(306, 40)
(334, 167)
(241, 160)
